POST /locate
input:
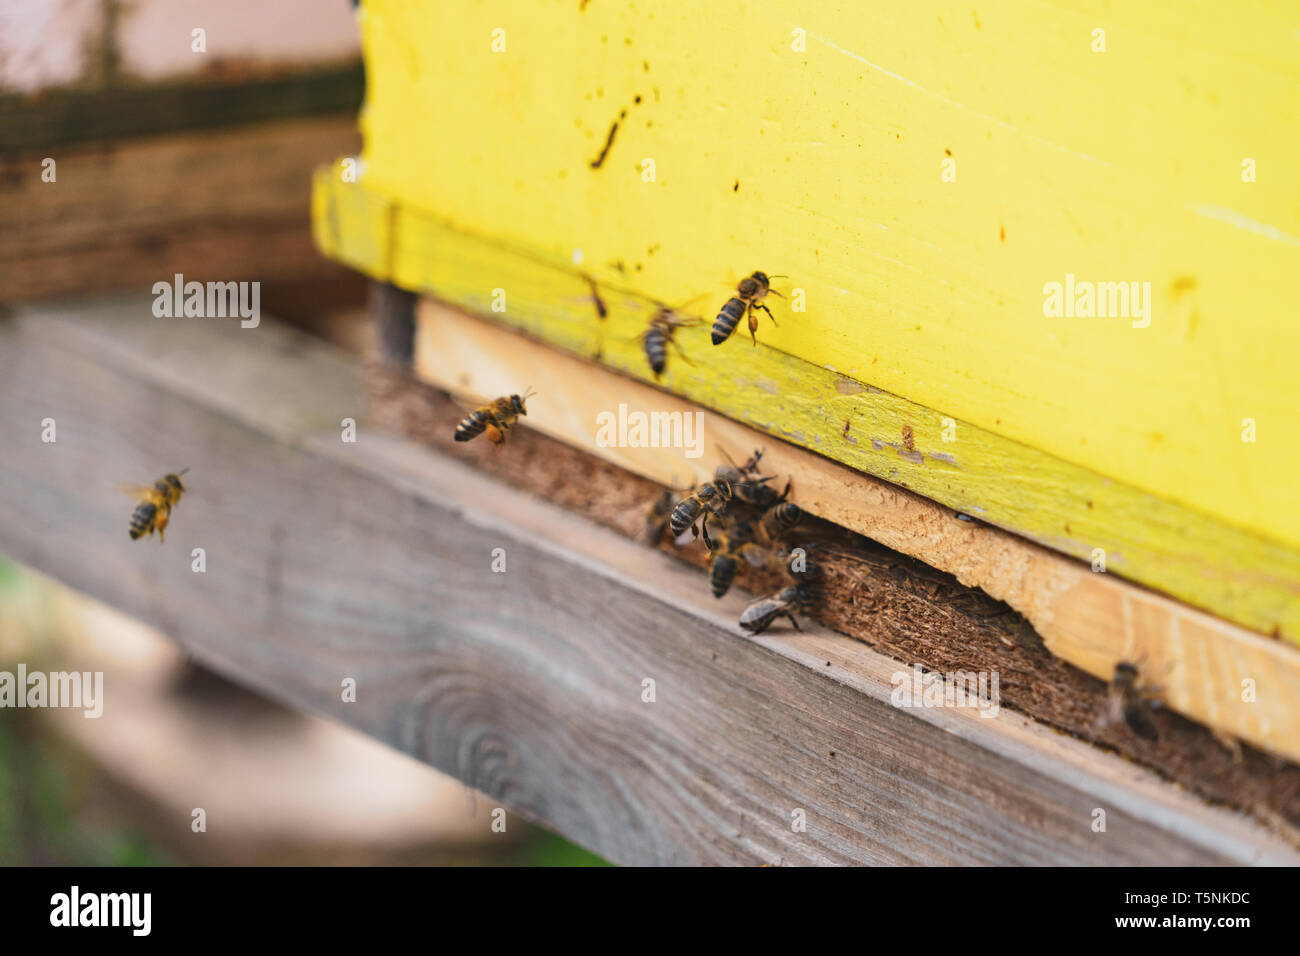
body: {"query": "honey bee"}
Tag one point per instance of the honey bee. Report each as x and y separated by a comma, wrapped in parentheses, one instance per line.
(1129, 703)
(748, 298)
(495, 418)
(746, 483)
(155, 505)
(656, 339)
(656, 517)
(760, 614)
(780, 517)
(709, 499)
(732, 545)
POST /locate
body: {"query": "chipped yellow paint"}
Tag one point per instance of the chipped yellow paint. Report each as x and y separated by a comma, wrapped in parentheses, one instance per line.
(811, 139)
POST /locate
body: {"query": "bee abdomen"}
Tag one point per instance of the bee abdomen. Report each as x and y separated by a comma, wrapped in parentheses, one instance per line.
(471, 426)
(782, 517)
(656, 350)
(142, 519)
(727, 320)
(684, 516)
(721, 573)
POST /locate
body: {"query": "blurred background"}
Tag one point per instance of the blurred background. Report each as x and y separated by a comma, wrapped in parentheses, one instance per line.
(181, 136)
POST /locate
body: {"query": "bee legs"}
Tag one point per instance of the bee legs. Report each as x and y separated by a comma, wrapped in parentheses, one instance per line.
(753, 320)
(704, 529)
(682, 353)
(793, 621)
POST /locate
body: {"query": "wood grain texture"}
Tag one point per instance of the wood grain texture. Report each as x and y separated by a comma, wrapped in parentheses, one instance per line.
(1248, 578)
(1089, 619)
(897, 605)
(220, 205)
(328, 559)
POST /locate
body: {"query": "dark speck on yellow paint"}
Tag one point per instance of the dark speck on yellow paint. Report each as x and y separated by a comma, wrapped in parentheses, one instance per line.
(735, 187)
(645, 65)
(947, 152)
(1002, 232)
(637, 99)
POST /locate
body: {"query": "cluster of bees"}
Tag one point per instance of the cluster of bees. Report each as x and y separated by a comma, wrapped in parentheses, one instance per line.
(752, 521)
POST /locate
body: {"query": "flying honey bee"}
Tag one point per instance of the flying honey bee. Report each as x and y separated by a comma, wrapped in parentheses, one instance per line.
(156, 501)
(748, 298)
(656, 517)
(760, 614)
(732, 545)
(495, 418)
(708, 499)
(1129, 703)
(661, 334)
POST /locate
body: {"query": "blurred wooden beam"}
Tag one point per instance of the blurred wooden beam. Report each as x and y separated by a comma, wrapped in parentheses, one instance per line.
(230, 204)
(63, 118)
(329, 559)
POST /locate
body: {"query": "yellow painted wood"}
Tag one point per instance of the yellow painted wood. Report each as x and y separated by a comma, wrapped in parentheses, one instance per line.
(825, 163)
(1234, 573)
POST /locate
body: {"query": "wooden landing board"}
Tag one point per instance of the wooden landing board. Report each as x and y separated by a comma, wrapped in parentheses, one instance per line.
(370, 560)
(1245, 577)
(1093, 620)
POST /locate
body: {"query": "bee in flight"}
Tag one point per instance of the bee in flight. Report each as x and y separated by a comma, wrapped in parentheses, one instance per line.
(495, 418)
(660, 334)
(760, 614)
(1129, 703)
(154, 508)
(748, 298)
(709, 499)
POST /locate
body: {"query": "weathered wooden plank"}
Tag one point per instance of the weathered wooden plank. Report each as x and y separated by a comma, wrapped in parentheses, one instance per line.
(329, 559)
(220, 205)
(1248, 578)
(1093, 620)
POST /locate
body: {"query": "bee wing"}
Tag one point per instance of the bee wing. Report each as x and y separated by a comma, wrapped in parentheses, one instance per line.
(134, 491)
(755, 556)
